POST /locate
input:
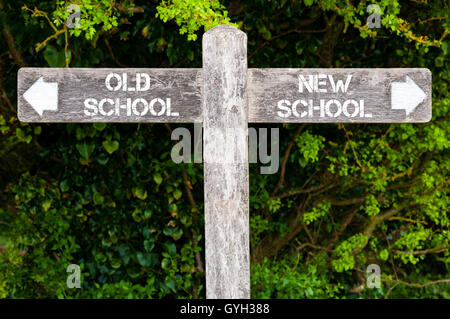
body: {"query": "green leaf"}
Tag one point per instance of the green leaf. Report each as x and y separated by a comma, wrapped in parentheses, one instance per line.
(55, 58)
(384, 254)
(177, 194)
(47, 204)
(165, 263)
(146, 232)
(124, 252)
(102, 159)
(177, 233)
(64, 186)
(167, 231)
(157, 178)
(445, 47)
(143, 259)
(171, 284)
(111, 146)
(147, 213)
(38, 130)
(99, 126)
(140, 193)
(98, 198)
(85, 150)
(170, 247)
(22, 136)
(149, 245)
(115, 263)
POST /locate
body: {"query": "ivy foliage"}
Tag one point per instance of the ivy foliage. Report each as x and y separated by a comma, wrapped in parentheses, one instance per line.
(191, 15)
(108, 197)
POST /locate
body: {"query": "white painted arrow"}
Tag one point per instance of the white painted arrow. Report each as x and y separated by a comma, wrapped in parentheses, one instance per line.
(406, 95)
(42, 96)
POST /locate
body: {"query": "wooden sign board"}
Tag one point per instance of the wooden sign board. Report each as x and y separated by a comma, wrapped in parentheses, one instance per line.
(109, 95)
(274, 95)
(339, 95)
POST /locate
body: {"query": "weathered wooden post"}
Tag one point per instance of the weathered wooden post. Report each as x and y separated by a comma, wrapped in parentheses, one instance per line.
(225, 121)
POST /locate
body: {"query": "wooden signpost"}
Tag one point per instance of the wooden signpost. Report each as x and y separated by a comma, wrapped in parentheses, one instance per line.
(225, 96)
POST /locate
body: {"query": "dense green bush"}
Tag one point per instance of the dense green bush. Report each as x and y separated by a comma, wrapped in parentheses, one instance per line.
(108, 197)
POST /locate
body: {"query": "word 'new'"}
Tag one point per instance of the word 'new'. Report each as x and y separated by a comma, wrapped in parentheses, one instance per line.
(316, 82)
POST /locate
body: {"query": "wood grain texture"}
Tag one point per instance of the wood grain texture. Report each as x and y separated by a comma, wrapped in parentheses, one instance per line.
(266, 87)
(182, 86)
(226, 163)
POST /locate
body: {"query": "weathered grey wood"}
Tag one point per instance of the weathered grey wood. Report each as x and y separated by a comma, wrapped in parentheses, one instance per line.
(182, 86)
(266, 87)
(226, 163)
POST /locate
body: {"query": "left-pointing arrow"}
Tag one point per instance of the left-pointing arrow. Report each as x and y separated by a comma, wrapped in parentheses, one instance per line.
(42, 96)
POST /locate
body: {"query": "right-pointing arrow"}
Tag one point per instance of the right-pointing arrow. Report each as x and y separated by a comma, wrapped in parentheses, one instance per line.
(406, 95)
(42, 96)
